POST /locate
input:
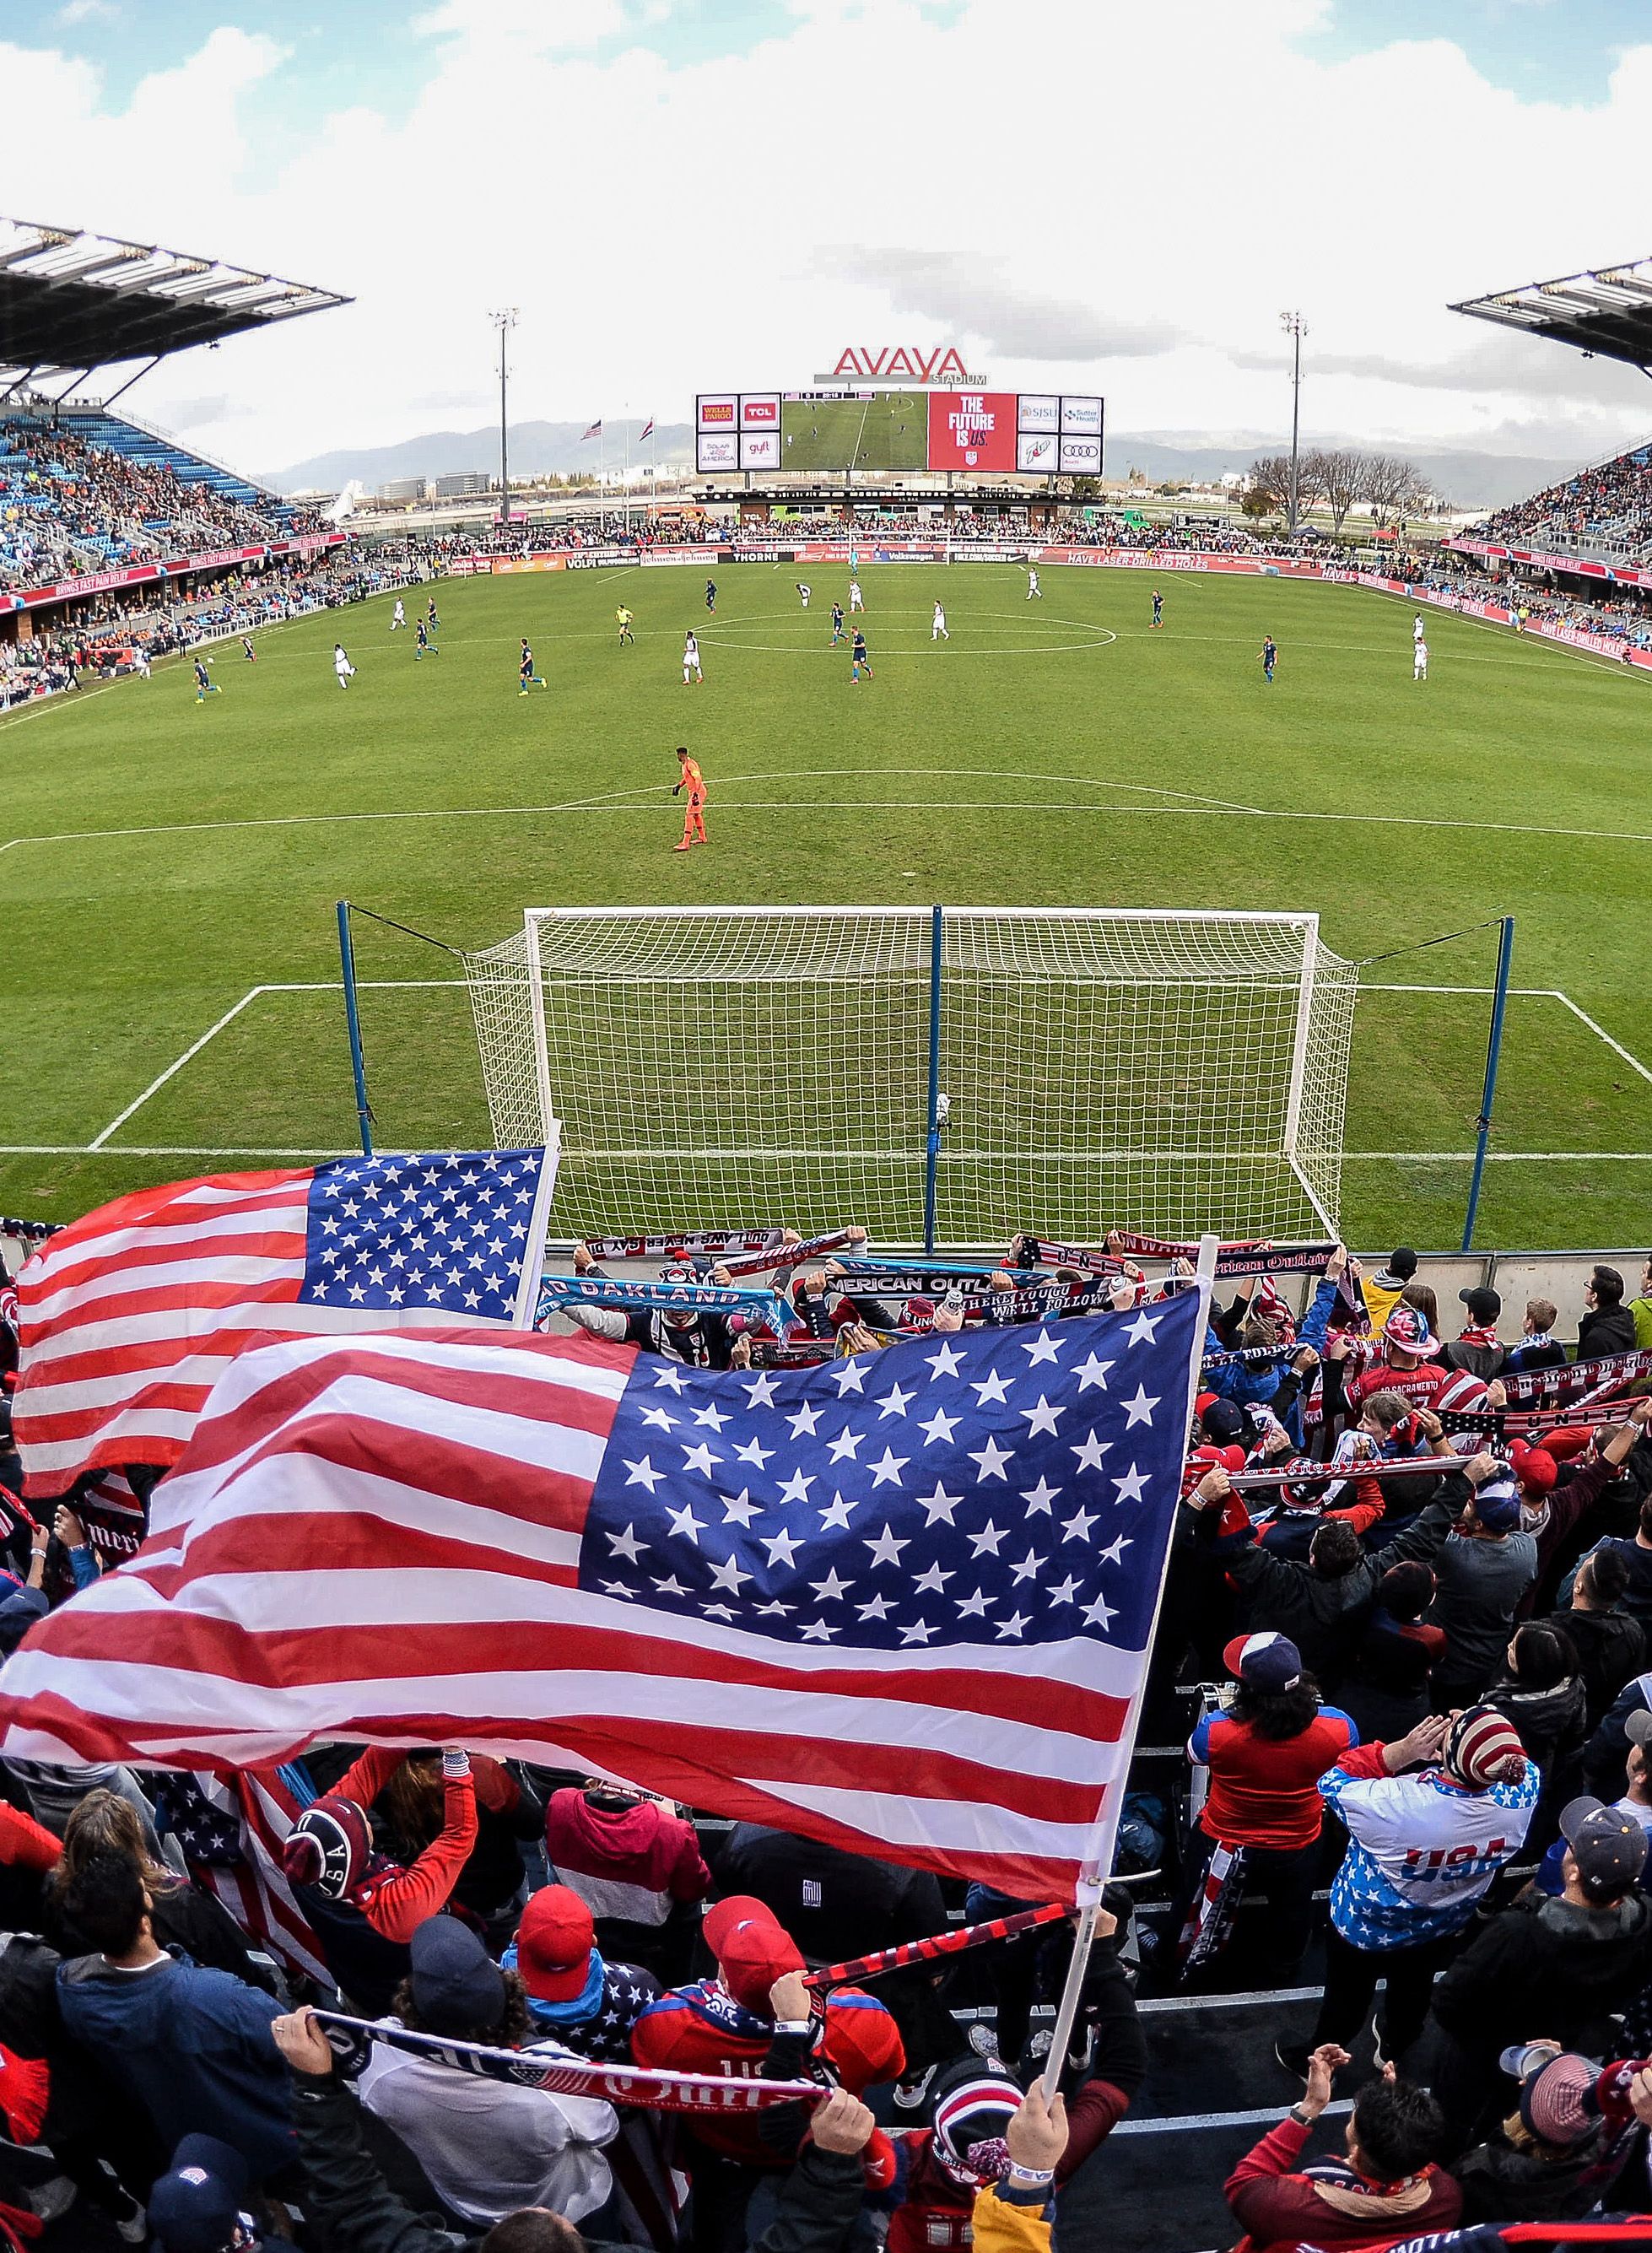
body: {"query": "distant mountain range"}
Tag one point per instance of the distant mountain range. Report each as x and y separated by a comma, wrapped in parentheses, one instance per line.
(1468, 478)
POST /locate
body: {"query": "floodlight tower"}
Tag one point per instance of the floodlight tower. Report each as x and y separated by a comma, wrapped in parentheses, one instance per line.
(1294, 328)
(505, 321)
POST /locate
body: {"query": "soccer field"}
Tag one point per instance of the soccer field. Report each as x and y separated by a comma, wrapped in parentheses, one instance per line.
(168, 884)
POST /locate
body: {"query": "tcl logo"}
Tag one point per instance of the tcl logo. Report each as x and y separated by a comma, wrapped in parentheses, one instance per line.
(761, 410)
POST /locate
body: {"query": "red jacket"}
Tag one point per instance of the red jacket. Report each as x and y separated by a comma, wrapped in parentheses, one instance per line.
(1279, 2210)
(396, 1901)
(631, 1862)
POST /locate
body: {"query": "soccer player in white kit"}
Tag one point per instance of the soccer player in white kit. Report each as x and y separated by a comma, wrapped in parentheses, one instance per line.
(397, 616)
(937, 625)
(1416, 627)
(691, 661)
(344, 671)
(857, 600)
(1420, 659)
(1033, 587)
(804, 590)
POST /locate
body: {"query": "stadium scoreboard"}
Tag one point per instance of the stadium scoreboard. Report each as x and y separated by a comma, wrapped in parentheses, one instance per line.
(974, 432)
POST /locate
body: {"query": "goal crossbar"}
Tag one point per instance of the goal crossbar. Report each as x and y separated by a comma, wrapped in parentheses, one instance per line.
(1166, 1070)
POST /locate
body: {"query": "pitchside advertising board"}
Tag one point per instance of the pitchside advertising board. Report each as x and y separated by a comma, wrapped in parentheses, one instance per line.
(973, 433)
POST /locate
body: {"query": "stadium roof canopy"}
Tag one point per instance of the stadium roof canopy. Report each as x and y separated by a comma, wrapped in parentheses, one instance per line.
(71, 302)
(1607, 310)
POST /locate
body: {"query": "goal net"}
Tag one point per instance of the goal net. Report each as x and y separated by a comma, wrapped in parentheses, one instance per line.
(1106, 1067)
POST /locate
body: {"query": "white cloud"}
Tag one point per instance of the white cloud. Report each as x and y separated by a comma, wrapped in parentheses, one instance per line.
(664, 227)
(76, 13)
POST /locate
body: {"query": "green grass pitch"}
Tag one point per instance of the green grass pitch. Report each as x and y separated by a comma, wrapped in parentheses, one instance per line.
(889, 431)
(170, 856)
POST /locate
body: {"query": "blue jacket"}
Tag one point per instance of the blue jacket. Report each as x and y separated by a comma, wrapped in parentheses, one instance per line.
(1241, 1381)
(193, 2047)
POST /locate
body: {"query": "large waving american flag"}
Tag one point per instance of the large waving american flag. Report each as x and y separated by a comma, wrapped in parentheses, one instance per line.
(129, 1316)
(902, 1602)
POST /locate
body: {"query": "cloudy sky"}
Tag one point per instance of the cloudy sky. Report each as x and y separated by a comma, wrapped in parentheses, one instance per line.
(1094, 194)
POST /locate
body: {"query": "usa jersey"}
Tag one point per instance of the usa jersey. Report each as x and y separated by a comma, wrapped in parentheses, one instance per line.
(1421, 1850)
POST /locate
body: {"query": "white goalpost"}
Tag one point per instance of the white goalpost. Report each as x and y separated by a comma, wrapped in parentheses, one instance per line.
(948, 1075)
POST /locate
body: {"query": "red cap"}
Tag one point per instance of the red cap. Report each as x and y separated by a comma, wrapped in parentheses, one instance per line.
(1534, 1467)
(554, 1944)
(752, 1949)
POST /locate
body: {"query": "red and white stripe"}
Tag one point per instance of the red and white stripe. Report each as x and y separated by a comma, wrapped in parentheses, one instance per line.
(378, 1538)
(255, 1891)
(130, 1317)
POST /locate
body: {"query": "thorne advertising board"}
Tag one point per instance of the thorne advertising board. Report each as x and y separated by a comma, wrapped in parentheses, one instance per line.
(968, 431)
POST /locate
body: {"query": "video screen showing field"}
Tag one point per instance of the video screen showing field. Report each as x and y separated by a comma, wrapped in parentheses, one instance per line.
(886, 430)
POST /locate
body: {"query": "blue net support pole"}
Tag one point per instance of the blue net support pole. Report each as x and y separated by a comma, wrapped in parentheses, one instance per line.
(932, 1149)
(1494, 1052)
(352, 1020)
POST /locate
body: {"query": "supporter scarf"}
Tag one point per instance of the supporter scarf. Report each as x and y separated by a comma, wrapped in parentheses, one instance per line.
(1035, 1303)
(1248, 1356)
(1213, 1910)
(1159, 1247)
(1578, 1380)
(1239, 1258)
(872, 1278)
(798, 1353)
(787, 1255)
(557, 1292)
(682, 1243)
(1478, 1334)
(1046, 1254)
(561, 2075)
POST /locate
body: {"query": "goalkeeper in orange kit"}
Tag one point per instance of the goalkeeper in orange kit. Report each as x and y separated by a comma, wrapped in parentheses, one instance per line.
(690, 778)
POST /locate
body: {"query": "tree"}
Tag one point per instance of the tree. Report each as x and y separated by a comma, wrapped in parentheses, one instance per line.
(1340, 475)
(1269, 477)
(1391, 485)
(1256, 503)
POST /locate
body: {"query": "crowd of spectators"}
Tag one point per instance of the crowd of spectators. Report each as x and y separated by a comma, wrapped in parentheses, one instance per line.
(68, 506)
(1436, 1700)
(1606, 511)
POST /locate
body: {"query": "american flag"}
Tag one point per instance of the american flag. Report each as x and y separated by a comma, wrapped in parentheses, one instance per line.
(902, 1603)
(647, 430)
(596, 430)
(130, 1316)
(230, 1834)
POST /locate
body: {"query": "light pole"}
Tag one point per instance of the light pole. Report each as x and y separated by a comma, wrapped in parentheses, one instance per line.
(505, 321)
(1293, 327)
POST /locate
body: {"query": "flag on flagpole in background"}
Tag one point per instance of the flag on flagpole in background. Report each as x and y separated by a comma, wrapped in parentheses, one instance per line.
(596, 430)
(128, 1318)
(647, 430)
(902, 1603)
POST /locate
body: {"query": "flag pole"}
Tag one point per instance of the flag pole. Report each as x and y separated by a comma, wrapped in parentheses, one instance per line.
(1091, 1874)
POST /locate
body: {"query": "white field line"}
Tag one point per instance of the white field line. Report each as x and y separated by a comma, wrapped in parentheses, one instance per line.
(98, 1146)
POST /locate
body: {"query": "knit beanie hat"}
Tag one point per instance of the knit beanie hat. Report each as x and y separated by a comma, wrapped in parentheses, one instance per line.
(329, 1847)
(1480, 1745)
(975, 2102)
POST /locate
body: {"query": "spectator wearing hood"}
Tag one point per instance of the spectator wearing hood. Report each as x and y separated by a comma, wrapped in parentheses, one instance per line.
(1382, 1292)
(636, 1864)
(1607, 1325)
(1540, 1691)
(1611, 1646)
(1384, 1684)
(576, 1997)
(490, 2147)
(1475, 1347)
(1484, 1569)
(363, 1907)
(1431, 1820)
(193, 2047)
(966, 2147)
(1265, 1753)
(1564, 1964)
(1388, 2187)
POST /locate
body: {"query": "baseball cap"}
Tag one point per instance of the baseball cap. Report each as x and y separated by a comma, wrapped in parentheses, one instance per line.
(1407, 1328)
(1638, 1727)
(1483, 1303)
(1534, 1467)
(1223, 1422)
(1608, 1846)
(457, 1989)
(752, 1948)
(196, 2208)
(1556, 2092)
(554, 1944)
(1268, 1661)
